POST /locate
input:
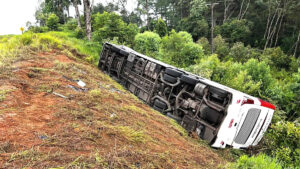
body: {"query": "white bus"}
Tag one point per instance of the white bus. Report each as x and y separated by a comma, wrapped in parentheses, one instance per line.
(216, 113)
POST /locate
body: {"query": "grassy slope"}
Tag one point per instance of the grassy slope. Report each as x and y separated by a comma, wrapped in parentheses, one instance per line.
(104, 127)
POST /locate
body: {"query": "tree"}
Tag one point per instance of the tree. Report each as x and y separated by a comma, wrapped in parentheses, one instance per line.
(197, 27)
(52, 22)
(239, 52)
(161, 27)
(236, 30)
(58, 7)
(180, 50)
(276, 58)
(221, 47)
(77, 14)
(110, 25)
(205, 44)
(147, 43)
(88, 23)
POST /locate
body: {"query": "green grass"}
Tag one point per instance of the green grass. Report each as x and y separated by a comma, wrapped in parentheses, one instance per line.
(3, 94)
(13, 46)
(255, 162)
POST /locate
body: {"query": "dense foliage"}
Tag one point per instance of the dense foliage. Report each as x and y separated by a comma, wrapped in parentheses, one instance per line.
(147, 43)
(110, 25)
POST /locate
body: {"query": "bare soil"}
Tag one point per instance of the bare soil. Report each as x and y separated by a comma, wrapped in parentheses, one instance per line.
(103, 126)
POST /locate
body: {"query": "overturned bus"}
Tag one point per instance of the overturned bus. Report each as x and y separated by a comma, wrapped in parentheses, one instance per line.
(218, 114)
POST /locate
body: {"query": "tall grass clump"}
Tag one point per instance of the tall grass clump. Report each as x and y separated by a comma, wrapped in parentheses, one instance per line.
(13, 45)
(255, 162)
(47, 41)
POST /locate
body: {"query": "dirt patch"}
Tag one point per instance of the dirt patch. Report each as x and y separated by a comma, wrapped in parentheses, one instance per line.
(93, 128)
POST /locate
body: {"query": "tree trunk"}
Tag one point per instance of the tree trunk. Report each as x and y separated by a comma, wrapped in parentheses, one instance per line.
(75, 4)
(87, 12)
(243, 14)
(226, 9)
(297, 43)
(147, 14)
(241, 8)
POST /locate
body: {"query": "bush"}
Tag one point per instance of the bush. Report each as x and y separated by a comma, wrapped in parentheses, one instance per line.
(130, 32)
(205, 44)
(111, 25)
(147, 43)
(179, 49)
(205, 67)
(79, 33)
(195, 26)
(221, 47)
(283, 143)
(260, 72)
(26, 39)
(37, 29)
(52, 22)
(276, 58)
(256, 162)
(108, 25)
(236, 30)
(46, 41)
(189, 54)
(71, 24)
(161, 27)
(239, 52)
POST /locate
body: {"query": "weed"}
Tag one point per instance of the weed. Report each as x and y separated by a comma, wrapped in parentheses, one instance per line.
(26, 39)
(31, 154)
(100, 161)
(44, 88)
(61, 66)
(46, 41)
(95, 93)
(134, 109)
(3, 94)
(131, 134)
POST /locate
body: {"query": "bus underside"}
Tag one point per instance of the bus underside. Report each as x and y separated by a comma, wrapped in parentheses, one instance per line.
(196, 105)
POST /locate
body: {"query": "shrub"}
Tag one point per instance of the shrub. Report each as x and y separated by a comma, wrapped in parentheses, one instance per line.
(205, 44)
(276, 58)
(52, 22)
(26, 39)
(195, 26)
(110, 25)
(283, 143)
(71, 24)
(37, 29)
(130, 32)
(179, 49)
(161, 27)
(236, 30)
(46, 41)
(79, 33)
(260, 72)
(256, 162)
(189, 54)
(147, 43)
(221, 47)
(239, 52)
(205, 67)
